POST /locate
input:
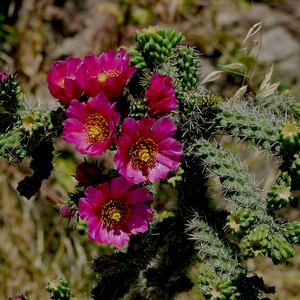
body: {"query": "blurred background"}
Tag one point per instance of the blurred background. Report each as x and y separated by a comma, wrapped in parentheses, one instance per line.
(36, 245)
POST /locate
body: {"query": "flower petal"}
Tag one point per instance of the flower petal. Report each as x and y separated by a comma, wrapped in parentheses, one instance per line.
(144, 126)
(129, 128)
(95, 197)
(160, 171)
(94, 225)
(166, 161)
(119, 188)
(163, 128)
(85, 209)
(77, 110)
(137, 196)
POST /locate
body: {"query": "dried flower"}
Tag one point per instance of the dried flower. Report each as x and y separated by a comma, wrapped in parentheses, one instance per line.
(147, 150)
(91, 125)
(160, 95)
(62, 81)
(106, 73)
(88, 173)
(115, 210)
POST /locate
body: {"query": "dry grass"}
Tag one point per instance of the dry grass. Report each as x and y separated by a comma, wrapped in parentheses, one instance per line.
(37, 245)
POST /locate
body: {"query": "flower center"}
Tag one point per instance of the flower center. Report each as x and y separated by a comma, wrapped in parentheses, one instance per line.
(142, 153)
(107, 74)
(97, 128)
(114, 213)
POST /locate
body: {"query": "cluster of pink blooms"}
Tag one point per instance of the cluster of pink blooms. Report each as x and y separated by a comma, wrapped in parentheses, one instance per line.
(146, 149)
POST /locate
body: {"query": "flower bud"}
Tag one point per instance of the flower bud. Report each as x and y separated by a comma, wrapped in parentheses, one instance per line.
(17, 297)
(88, 173)
(67, 211)
(4, 76)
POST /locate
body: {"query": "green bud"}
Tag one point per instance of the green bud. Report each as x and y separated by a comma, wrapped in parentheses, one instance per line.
(58, 289)
(256, 243)
(279, 196)
(281, 249)
(289, 136)
(241, 220)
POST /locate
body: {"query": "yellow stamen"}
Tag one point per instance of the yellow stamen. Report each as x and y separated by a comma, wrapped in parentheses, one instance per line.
(107, 74)
(115, 213)
(97, 128)
(142, 153)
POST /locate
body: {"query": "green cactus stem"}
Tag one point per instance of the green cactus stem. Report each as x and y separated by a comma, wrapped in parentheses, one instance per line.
(187, 61)
(282, 104)
(232, 176)
(41, 164)
(10, 93)
(155, 45)
(250, 123)
(211, 249)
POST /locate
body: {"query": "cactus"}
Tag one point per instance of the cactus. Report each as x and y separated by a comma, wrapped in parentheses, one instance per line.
(156, 44)
(209, 211)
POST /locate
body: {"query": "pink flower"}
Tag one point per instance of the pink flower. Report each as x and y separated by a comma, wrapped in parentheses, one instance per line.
(91, 125)
(106, 73)
(147, 150)
(160, 95)
(115, 210)
(62, 81)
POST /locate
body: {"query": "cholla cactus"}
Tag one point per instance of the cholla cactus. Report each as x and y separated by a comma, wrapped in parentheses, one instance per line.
(163, 185)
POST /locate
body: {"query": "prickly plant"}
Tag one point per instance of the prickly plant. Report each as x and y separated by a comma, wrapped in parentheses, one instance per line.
(207, 211)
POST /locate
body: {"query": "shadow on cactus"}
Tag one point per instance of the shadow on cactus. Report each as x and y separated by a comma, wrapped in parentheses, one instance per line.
(158, 182)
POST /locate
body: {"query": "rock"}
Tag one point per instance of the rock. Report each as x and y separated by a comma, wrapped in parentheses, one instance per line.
(277, 44)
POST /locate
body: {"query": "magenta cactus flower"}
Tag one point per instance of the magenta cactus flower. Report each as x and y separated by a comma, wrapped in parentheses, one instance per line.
(91, 125)
(146, 149)
(115, 210)
(107, 73)
(160, 95)
(62, 82)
